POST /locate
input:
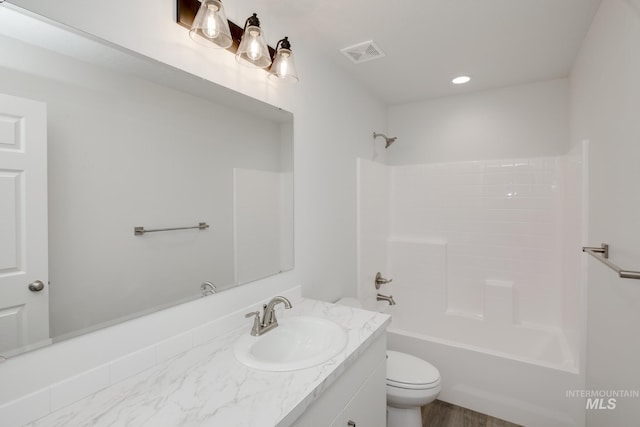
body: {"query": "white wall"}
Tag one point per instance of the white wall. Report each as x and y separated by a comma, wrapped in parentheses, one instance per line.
(334, 121)
(605, 100)
(519, 121)
(259, 202)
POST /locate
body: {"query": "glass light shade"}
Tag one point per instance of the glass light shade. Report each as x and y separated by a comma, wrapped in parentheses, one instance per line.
(210, 27)
(283, 67)
(253, 50)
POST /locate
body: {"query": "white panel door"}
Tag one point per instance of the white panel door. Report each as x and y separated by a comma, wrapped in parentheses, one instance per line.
(24, 312)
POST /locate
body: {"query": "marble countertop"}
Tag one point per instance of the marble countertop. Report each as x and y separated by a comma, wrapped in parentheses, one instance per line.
(207, 386)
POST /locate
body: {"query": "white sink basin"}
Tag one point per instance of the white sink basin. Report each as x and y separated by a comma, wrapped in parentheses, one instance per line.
(298, 342)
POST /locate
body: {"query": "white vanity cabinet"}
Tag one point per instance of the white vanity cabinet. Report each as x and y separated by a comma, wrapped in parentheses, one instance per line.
(368, 407)
(358, 398)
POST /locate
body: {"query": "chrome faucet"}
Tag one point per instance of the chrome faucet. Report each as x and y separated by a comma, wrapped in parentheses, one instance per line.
(269, 320)
(388, 299)
(208, 288)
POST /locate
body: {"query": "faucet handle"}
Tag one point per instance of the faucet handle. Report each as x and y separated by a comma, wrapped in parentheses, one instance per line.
(208, 288)
(255, 329)
(381, 280)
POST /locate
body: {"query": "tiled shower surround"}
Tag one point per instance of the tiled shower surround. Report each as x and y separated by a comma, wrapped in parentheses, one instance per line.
(495, 228)
(487, 276)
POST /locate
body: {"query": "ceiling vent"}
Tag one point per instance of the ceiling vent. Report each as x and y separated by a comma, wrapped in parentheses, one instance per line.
(363, 52)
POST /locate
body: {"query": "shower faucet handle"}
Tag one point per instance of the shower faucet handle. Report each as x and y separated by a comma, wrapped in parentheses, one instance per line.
(381, 280)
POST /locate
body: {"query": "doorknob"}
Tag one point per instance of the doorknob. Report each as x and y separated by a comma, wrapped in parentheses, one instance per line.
(36, 286)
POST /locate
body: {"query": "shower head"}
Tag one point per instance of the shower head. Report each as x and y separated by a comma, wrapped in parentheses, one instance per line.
(389, 140)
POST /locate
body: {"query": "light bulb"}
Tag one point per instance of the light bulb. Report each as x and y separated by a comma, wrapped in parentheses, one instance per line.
(283, 65)
(283, 69)
(211, 28)
(254, 47)
(254, 51)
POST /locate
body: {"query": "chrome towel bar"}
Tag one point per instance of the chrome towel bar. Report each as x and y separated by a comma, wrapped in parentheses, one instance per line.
(602, 255)
(139, 231)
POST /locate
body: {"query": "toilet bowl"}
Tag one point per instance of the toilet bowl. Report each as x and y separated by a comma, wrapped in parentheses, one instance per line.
(411, 383)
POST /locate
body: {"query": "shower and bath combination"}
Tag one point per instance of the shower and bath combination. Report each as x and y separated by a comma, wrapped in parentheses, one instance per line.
(387, 139)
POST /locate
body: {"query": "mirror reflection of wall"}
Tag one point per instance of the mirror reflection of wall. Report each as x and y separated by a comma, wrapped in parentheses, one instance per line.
(125, 151)
(255, 236)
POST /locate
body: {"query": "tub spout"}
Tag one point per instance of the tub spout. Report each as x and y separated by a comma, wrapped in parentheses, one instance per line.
(388, 299)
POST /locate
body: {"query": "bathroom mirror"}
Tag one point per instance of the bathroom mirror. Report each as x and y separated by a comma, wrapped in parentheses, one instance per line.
(135, 143)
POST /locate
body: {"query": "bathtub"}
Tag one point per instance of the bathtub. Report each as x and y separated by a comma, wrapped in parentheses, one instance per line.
(520, 374)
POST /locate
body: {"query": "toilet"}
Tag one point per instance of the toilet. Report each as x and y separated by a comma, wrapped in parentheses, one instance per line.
(411, 383)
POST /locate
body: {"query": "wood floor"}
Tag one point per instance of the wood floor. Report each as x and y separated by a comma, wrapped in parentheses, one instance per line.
(443, 414)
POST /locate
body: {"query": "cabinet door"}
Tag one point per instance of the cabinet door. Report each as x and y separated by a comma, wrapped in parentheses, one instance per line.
(368, 407)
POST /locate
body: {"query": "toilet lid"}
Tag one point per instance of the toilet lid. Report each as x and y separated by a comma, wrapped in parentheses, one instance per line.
(407, 371)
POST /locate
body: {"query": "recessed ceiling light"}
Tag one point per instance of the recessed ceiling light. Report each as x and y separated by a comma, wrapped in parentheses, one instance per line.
(460, 80)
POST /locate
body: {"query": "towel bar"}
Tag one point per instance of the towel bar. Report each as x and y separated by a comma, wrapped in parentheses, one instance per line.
(139, 231)
(602, 255)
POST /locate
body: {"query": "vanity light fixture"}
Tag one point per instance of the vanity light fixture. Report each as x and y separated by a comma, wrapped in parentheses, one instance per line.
(283, 67)
(461, 80)
(253, 49)
(210, 27)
